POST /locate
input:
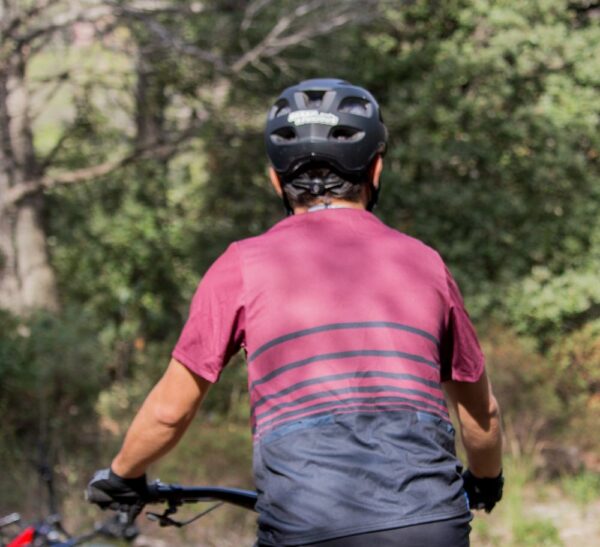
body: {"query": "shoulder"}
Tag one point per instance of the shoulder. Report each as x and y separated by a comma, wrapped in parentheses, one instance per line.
(260, 241)
(225, 270)
(415, 246)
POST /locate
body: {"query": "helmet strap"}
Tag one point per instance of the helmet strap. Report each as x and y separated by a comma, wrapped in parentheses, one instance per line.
(373, 197)
(373, 190)
(289, 211)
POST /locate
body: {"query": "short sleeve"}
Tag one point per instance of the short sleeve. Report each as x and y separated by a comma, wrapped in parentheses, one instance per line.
(460, 353)
(214, 330)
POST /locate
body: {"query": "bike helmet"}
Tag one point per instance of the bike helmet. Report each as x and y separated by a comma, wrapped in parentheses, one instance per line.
(325, 122)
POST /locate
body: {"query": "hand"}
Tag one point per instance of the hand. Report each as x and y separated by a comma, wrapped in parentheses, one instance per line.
(107, 489)
(483, 493)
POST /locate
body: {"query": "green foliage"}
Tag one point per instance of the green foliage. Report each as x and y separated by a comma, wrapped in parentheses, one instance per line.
(577, 357)
(483, 534)
(526, 530)
(543, 396)
(584, 488)
(527, 386)
(536, 533)
(546, 303)
(51, 372)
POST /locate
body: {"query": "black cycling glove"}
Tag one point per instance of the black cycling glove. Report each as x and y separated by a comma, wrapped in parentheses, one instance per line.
(483, 493)
(107, 489)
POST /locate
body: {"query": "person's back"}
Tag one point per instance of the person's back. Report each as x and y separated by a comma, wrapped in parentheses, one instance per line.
(343, 320)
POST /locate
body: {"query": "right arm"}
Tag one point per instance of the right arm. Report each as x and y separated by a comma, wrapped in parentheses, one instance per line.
(479, 423)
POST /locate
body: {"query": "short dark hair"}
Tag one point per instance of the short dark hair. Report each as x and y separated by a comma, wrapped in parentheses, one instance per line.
(308, 188)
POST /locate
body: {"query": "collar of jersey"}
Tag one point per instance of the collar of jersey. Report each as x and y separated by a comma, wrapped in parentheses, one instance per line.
(322, 206)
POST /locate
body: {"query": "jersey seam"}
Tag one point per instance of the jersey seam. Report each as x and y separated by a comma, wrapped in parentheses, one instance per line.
(444, 273)
(238, 253)
(192, 364)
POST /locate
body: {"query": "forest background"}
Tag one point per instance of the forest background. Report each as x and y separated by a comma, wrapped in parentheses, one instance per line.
(132, 154)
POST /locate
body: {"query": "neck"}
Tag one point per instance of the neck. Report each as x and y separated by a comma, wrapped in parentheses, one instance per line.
(330, 203)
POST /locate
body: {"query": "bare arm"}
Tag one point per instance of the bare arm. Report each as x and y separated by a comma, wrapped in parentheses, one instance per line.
(479, 420)
(161, 421)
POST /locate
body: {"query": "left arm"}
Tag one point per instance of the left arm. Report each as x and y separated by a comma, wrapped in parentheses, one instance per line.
(213, 332)
(161, 421)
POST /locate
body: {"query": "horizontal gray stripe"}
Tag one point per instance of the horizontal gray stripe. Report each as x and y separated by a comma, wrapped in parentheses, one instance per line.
(357, 389)
(343, 355)
(340, 326)
(344, 376)
(340, 404)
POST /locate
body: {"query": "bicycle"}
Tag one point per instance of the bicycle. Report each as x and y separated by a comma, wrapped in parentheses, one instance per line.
(49, 531)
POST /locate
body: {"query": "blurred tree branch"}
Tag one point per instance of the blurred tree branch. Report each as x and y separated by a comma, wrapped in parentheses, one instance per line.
(155, 151)
(307, 20)
(283, 34)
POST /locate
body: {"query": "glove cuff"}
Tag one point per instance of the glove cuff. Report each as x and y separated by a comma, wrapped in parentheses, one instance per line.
(485, 482)
(138, 484)
(114, 475)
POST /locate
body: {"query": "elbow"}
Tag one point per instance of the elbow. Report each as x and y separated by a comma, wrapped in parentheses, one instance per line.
(489, 417)
(493, 409)
(170, 416)
(485, 415)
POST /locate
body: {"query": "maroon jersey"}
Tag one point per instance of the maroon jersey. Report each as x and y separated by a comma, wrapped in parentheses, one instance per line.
(349, 328)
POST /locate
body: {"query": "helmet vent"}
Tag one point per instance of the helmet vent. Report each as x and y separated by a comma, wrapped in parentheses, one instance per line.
(313, 98)
(281, 108)
(357, 106)
(346, 134)
(284, 135)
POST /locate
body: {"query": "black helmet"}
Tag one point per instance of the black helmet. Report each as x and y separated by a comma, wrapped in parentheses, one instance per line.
(325, 121)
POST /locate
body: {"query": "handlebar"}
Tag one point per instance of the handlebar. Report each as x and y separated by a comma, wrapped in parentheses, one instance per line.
(175, 494)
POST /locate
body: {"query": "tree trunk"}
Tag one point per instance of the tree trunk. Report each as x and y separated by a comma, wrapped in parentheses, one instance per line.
(37, 279)
(9, 279)
(150, 100)
(27, 280)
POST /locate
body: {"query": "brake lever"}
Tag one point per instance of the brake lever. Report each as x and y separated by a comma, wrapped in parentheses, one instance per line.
(165, 520)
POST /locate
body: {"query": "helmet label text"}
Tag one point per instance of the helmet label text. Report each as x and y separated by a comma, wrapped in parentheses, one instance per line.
(303, 117)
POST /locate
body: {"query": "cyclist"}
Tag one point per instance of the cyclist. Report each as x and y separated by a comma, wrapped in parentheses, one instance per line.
(356, 337)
